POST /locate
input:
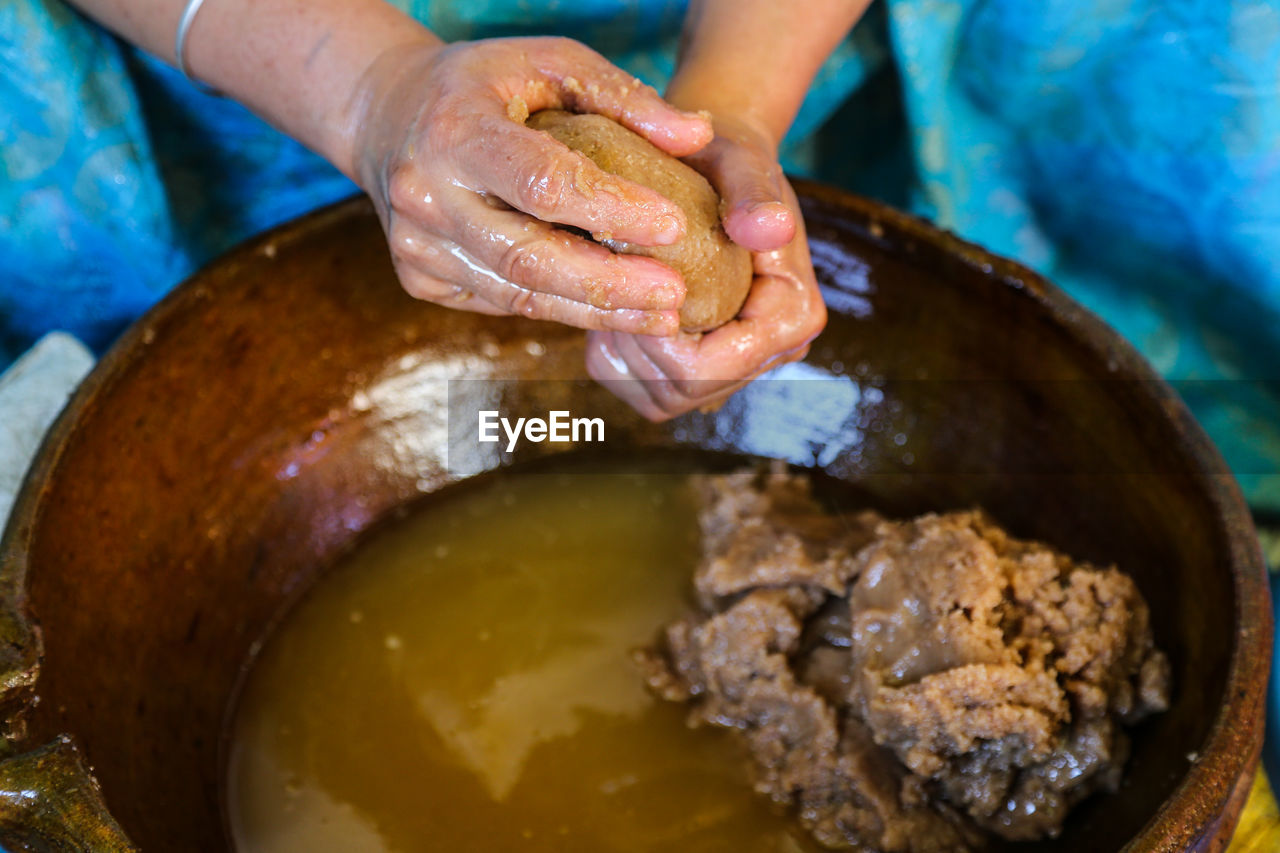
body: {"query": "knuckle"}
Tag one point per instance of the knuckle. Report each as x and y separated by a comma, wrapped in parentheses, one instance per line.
(404, 247)
(403, 191)
(409, 197)
(815, 321)
(667, 395)
(525, 303)
(443, 123)
(520, 264)
(687, 383)
(407, 248)
(544, 189)
(563, 47)
(690, 388)
(427, 288)
(562, 44)
(816, 326)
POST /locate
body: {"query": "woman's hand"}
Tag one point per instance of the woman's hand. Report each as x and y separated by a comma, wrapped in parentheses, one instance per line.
(748, 62)
(468, 194)
(666, 376)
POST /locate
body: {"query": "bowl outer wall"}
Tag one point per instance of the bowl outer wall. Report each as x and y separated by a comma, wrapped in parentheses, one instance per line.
(1202, 808)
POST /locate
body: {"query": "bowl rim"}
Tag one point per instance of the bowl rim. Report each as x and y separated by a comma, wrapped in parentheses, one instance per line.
(1200, 806)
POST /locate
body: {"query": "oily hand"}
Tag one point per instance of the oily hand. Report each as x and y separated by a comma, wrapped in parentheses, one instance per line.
(662, 377)
(468, 195)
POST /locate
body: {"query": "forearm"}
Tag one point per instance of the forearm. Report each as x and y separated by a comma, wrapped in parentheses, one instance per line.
(296, 63)
(755, 59)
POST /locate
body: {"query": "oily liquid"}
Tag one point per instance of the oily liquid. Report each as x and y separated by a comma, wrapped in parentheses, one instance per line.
(463, 682)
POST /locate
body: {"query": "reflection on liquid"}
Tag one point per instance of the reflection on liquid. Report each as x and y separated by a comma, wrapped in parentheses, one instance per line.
(845, 277)
(463, 682)
(801, 413)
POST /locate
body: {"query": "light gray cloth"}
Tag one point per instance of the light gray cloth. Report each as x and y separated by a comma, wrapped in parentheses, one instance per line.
(32, 393)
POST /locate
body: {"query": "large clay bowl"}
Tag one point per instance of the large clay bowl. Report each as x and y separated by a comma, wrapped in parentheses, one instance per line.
(289, 396)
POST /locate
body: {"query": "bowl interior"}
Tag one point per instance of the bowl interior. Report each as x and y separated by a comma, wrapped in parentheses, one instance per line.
(249, 428)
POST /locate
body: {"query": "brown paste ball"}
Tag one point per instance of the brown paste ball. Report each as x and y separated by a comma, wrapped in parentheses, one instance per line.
(717, 272)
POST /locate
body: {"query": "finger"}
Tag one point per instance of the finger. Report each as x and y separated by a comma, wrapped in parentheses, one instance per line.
(669, 396)
(592, 84)
(540, 257)
(439, 270)
(697, 387)
(612, 361)
(534, 173)
(607, 367)
(784, 311)
(781, 316)
(446, 294)
(749, 179)
(458, 266)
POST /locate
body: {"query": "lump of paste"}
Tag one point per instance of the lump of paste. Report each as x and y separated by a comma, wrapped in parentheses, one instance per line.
(906, 685)
(717, 272)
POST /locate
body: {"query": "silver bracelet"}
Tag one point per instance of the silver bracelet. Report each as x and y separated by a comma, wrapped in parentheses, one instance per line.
(184, 28)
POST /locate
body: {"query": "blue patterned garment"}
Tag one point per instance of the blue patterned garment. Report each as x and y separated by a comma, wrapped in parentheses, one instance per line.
(1128, 149)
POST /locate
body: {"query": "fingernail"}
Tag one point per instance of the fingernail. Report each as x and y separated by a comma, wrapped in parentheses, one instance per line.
(668, 229)
(669, 297)
(772, 206)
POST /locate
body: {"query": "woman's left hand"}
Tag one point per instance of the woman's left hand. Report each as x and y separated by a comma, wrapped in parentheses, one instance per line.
(662, 377)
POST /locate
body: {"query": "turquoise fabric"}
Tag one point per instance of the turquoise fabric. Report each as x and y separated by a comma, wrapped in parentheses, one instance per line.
(1129, 149)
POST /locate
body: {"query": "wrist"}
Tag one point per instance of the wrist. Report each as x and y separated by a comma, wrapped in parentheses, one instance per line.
(754, 60)
(361, 135)
(301, 64)
(733, 112)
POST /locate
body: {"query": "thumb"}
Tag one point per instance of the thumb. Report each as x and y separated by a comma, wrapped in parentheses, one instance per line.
(749, 181)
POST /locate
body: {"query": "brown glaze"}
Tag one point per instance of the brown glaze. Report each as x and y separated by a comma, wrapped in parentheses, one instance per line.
(245, 430)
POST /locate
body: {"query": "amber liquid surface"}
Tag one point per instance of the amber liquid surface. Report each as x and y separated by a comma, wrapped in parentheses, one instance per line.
(463, 682)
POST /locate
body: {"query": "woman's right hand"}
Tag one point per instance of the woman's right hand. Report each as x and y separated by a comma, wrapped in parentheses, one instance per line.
(467, 194)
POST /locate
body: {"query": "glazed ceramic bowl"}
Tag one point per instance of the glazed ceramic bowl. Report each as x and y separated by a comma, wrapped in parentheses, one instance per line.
(246, 430)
